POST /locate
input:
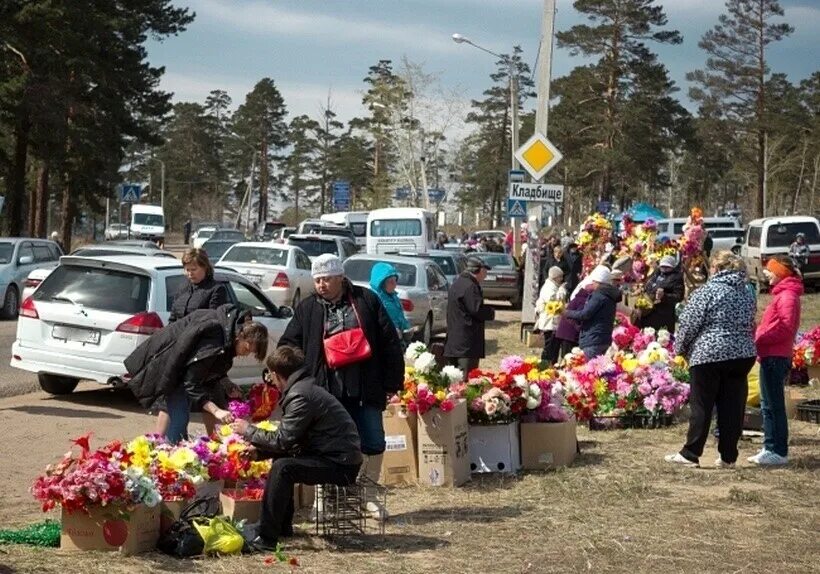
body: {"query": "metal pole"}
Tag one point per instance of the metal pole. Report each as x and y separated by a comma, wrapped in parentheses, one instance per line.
(250, 192)
(162, 185)
(513, 138)
(765, 169)
(545, 68)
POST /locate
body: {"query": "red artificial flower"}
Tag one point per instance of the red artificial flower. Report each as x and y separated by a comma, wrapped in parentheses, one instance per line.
(447, 405)
(83, 443)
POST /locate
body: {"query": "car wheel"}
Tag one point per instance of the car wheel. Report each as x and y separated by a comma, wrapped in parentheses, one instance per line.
(427, 331)
(57, 384)
(11, 303)
(296, 298)
(736, 249)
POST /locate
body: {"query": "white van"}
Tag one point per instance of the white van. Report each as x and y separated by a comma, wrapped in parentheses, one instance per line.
(355, 221)
(774, 235)
(673, 228)
(147, 222)
(395, 229)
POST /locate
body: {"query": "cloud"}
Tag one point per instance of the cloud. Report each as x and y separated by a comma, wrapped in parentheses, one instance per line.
(260, 17)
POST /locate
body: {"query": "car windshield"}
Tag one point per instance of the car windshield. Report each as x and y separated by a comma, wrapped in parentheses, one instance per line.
(359, 270)
(784, 234)
(359, 229)
(104, 289)
(495, 259)
(238, 235)
(205, 233)
(446, 264)
(315, 247)
(6, 252)
(263, 255)
(395, 228)
(217, 248)
(148, 219)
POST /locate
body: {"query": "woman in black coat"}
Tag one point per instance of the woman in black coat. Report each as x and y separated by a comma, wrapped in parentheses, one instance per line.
(201, 291)
(665, 288)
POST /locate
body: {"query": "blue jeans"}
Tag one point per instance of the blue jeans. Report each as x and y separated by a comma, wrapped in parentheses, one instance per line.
(369, 424)
(179, 413)
(773, 373)
(594, 351)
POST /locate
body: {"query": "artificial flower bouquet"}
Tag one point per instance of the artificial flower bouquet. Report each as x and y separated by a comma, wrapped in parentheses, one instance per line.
(554, 308)
(426, 385)
(807, 349)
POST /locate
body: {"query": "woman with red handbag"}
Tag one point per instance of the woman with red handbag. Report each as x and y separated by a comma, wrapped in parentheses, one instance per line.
(353, 350)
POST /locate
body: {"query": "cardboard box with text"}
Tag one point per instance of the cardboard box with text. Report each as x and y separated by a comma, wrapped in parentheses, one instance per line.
(443, 446)
(400, 464)
(128, 530)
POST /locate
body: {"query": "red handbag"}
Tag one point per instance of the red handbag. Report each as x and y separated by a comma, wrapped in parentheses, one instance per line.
(347, 347)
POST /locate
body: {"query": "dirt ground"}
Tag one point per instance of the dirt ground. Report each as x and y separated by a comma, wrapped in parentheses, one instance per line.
(619, 508)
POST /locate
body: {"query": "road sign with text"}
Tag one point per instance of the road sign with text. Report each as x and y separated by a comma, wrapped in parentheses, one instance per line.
(538, 192)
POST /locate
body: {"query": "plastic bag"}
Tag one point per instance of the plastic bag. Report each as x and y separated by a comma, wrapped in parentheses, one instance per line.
(181, 539)
(753, 398)
(219, 536)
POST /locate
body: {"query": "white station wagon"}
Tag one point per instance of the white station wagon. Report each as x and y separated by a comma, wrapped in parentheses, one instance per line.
(89, 314)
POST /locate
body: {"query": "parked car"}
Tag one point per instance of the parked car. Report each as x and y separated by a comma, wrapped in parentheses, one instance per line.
(338, 231)
(19, 256)
(505, 280)
(202, 235)
(91, 313)
(422, 288)
(144, 244)
(230, 234)
(451, 263)
(673, 228)
(281, 235)
(315, 245)
(216, 248)
(116, 231)
(282, 272)
(726, 240)
(499, 235)
(772, 235)
(266, 232)
(103, 250)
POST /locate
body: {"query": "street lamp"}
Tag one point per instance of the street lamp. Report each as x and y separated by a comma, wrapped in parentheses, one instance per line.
(459, 39)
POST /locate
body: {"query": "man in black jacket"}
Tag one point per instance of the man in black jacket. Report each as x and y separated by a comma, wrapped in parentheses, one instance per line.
(466, 315)
(316, 443)
(363, 386)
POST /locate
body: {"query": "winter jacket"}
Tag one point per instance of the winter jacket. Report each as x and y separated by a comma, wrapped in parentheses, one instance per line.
(778, 328)
(597, 318)
(207, 294)
(569, 330)
(662, 315)
(392, 304)
(466, 315)
(194, 352)
(717, 323)
(376, 377)
(314, 423)
(549, 292)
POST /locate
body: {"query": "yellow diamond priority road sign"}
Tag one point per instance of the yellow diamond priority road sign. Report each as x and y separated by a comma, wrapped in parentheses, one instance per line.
(538, 156)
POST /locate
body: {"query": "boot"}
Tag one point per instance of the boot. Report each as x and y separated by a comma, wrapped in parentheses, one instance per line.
(372, 468)
(317, 512)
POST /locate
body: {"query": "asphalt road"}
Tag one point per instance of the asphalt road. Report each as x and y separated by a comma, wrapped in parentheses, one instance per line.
(13, 381)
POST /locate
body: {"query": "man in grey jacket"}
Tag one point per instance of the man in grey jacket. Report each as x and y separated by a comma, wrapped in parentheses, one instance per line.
(316, 443)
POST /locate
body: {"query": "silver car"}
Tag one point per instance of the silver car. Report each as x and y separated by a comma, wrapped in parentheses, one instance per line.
(116, 231)
(452, 264)
(19, 256)
(422, 288)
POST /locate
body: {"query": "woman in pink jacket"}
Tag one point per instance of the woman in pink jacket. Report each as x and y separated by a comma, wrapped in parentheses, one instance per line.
(775, 340)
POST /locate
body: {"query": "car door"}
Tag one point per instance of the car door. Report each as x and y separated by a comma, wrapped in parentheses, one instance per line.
(249, 297)
(24, 263)
(439, 298)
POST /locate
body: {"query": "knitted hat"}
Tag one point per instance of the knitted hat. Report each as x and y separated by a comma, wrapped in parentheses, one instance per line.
(601, 275)
(326, 265)
(555, 272)
(668, 261)
(475, 264)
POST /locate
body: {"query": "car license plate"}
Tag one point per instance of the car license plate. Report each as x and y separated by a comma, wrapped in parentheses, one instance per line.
(491, 277)
(255, 278)
(77, 334)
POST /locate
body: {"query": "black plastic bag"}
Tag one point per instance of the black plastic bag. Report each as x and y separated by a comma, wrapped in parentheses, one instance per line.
(182, 540)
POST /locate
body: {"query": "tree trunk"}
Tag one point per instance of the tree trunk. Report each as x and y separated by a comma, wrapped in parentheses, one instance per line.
(263, 183)
(16, 191)
(761, 173)
(67, 210)
(40, 206)
(800, 177)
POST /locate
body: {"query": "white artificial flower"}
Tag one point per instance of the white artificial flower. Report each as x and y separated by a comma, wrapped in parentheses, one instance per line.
(664, 336)
(535, 390)
(453, 374)
(533, 402)
(520, 381)
(649, 331)
(414, 350)
(425, 362)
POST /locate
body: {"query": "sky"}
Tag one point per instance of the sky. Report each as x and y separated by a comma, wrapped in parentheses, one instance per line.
(312, 47)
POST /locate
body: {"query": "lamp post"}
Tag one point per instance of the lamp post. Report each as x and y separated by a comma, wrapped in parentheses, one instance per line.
(249, 192)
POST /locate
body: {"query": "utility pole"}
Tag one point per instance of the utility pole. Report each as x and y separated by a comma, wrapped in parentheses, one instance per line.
(532, 265)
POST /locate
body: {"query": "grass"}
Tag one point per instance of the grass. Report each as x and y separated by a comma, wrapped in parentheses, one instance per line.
(619, 508)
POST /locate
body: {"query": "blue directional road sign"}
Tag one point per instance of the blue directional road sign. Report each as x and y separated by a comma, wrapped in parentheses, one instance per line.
(516, 208)
(436, 195)
(130, 192)
(341, 195)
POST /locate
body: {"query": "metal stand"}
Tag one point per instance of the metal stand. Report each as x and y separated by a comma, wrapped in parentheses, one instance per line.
(343, 507)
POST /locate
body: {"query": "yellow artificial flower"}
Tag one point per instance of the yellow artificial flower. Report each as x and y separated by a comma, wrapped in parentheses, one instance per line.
(532, 360)
(409, 370)
(584, 237)
(601, 388)
(441, 395)
(680, 361)
(181, 458)
(225, 430)
(267, 426)
(630, 364)
(534, 375)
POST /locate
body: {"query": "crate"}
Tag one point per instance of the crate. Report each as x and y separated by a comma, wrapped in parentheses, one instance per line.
(809, 411)
(339, 510)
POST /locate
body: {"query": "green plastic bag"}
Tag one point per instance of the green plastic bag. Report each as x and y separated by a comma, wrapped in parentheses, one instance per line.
(219, 535)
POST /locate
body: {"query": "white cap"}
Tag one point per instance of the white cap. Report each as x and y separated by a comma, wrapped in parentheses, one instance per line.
(326, 265)
(601, 275)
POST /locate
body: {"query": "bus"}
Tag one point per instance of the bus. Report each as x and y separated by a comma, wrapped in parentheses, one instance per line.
(355, 221)
(396, 229)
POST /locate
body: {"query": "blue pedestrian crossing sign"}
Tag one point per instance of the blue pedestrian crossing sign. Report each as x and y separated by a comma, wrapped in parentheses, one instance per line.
(130, 192)
(516, 208)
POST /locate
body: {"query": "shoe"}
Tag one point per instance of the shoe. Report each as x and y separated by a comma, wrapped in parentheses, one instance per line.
(755, 457)
(371, 469)
(770, 458)
(376, 511)
(260, 544)
(720, 464)
(678, 458)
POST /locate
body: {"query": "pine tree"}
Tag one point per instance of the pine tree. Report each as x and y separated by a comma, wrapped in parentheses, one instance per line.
(736, 74)
(300, 166)
(328, 136)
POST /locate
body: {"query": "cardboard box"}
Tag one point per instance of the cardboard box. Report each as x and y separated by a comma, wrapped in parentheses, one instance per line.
(533, 340)
(170, 511)
(209, 489)
(400, 463)
(128, 530)
(239, 509)
(794, 396)
(548, 445)
(444, 457)
(494, 448)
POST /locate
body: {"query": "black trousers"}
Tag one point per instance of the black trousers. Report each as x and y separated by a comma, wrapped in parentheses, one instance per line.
(552, 347)
(465, 364)
(277, 505)
(722, 385)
